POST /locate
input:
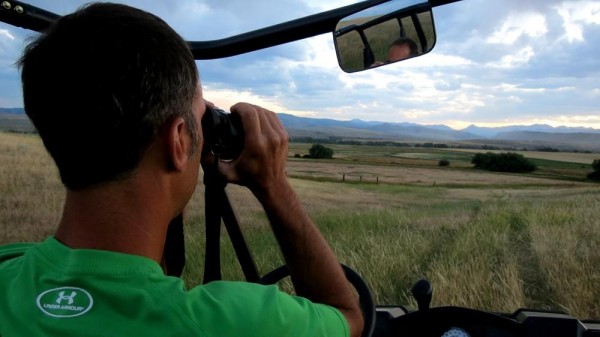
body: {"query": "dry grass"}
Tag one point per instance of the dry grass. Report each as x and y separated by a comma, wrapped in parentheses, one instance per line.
(500, 243)
(32, 195)
(561, 235)
(402, 174)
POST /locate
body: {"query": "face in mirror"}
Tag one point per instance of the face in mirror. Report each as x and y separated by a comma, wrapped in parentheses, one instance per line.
(384, 34)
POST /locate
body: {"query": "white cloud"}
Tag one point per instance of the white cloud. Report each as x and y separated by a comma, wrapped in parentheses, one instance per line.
(517, 59)
(194, 8)
(320, 5)
(514, 99)
(513, 88)
(4, 33)
(9, 51)
(225, 98)
(373, 78)
(320, 53)
(439, 60)
(465, 103)
(519, 24)
(456, 83)
(576, 15)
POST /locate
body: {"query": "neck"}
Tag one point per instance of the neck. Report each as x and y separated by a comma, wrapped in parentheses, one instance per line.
(126, 217)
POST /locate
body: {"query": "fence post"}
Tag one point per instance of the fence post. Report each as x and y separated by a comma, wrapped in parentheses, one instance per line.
(343, 177)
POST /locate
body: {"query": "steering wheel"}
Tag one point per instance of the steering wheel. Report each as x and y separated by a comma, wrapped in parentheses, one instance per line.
(365, 297)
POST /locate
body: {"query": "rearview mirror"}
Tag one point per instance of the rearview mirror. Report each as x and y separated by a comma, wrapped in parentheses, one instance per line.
(384, 34)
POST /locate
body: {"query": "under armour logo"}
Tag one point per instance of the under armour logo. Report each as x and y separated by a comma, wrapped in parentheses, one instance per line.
(62, 296)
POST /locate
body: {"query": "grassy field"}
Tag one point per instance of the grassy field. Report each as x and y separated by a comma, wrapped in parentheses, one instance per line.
(485, 240)
(15, 123)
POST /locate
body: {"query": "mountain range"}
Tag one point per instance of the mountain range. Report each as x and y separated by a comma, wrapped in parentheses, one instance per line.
(528, 136)
(562, 137)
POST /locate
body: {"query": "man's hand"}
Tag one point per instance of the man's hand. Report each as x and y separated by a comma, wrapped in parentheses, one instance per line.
(261, 165)
(314, 269)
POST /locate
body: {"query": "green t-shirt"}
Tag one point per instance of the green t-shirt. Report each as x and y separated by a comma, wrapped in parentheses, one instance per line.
(49, 289)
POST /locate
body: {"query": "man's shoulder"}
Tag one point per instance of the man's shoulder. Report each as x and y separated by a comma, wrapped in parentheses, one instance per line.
(14, 250)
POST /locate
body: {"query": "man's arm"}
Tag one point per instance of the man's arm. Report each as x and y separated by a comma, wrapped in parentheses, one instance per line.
(315, 271)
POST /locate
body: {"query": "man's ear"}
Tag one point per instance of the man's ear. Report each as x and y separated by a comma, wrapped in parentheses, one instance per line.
(178, 143)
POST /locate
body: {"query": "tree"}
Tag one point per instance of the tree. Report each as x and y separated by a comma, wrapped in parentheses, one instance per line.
(320, 152)
(503, 162)
(596, 167)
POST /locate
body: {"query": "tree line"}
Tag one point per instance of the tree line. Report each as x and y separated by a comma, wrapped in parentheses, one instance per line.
(503, 162)
(342, 141)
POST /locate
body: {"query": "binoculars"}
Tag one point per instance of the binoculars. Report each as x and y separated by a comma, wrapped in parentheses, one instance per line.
(223, 133)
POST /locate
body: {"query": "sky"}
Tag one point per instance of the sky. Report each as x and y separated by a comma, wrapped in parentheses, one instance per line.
(495, 62)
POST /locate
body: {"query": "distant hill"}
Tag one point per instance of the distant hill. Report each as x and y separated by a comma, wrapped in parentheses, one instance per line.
(15, 120)
(517, 136)
(487, 132)
(559, 140)
(12, 111)
(323, 128)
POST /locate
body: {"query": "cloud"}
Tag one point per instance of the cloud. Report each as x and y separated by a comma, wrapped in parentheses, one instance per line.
(225, 98)
(519, 58)
(9, 53)
(5, 34)
(519, 24)
(577, 15)
(439, 60)
(506, 61)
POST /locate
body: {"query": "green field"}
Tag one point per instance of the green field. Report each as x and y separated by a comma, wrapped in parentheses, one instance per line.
(485, 240)
(15, 123)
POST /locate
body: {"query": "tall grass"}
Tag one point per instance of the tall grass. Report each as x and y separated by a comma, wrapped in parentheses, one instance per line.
(503, 251)
(490, 247)
(30, 192)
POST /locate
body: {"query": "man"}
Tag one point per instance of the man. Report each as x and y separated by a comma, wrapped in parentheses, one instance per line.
(401, 49)
(115, 96)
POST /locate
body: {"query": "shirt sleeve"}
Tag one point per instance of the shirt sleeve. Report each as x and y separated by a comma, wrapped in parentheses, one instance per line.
(245, 309)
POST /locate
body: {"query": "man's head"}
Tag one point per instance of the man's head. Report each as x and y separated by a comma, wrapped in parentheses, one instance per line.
(401, 49)
(100, 84)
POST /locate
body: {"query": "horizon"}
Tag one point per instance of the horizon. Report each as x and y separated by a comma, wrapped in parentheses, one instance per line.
(426, 125)
(459, 129)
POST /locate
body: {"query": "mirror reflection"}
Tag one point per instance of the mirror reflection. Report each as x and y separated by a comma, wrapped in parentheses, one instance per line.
(383, 34)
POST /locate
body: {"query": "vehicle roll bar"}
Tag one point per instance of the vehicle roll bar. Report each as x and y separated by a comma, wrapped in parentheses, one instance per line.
(23, 15)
